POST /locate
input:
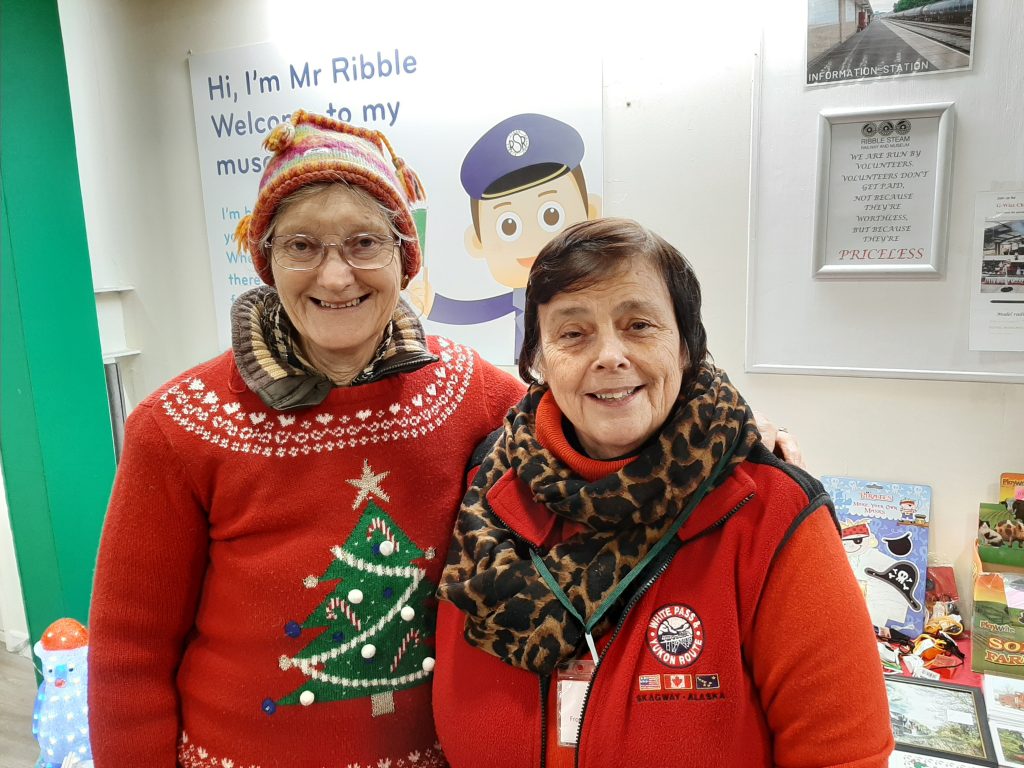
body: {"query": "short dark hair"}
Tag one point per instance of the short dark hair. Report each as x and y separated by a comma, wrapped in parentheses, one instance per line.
(587, 253)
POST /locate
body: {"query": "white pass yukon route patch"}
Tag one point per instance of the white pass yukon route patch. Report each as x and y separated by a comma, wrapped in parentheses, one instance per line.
(675, 635)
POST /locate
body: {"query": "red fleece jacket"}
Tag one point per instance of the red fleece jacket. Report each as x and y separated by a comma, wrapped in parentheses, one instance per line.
(786, 672)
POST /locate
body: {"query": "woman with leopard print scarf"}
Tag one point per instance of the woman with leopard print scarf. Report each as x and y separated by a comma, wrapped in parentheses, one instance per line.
(634, 579)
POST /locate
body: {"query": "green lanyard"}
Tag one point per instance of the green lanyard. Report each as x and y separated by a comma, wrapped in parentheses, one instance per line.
(588, 626)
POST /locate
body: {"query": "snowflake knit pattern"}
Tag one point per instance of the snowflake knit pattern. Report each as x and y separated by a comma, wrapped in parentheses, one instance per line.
(293, 556)
(223, 421)
(192, 756)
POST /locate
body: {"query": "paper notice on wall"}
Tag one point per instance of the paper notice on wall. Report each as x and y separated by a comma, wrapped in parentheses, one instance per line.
(997, 269)
(434, 101)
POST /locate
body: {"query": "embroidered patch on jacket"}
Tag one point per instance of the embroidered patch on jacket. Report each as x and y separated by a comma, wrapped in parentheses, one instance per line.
(650, 682)
(222, 421)
(675, 635)
(678, 682)
(707, 682)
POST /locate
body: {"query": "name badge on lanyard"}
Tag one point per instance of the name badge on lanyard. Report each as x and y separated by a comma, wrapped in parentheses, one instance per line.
(572, 680)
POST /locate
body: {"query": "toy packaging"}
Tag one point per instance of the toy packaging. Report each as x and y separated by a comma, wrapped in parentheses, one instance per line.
(1001, 525)
(997, 628)
(885, 535)
(941, 597)
(1011, 489)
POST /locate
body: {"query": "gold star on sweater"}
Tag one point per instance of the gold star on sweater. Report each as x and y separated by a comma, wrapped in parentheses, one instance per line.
(368, 484)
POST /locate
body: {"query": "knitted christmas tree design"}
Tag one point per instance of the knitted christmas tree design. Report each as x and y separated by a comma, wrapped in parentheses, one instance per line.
(373, 638)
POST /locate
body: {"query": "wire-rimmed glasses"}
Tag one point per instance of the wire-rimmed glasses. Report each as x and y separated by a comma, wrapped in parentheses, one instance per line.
(363, 250)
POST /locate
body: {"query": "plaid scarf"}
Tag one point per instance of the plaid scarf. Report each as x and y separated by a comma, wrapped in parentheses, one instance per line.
(272, 364)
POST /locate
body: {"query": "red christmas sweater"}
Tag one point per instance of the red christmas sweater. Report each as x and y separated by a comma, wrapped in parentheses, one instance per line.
(264, 589)
(781, 668)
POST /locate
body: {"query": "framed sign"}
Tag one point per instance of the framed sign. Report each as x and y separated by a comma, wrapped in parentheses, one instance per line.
(940, 719)
(882, 194)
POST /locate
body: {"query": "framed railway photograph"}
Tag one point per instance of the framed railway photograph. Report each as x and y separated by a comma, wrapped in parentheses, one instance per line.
(882, 192)
(902, 759)
(851, 40)
(941, 720)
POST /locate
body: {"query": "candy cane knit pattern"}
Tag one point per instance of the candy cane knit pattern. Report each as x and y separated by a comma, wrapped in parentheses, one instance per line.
(412, 637)
(336, 604)
(380, 525)
(264, 586)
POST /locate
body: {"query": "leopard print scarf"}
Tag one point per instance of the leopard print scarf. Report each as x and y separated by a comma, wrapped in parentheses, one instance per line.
(490, 576)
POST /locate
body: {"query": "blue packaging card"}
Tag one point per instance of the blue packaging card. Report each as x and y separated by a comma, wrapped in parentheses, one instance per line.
(884, 527)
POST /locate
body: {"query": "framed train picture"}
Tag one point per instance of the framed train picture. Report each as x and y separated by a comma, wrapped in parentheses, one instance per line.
(940, 720)
(903, 759)
(851, 40)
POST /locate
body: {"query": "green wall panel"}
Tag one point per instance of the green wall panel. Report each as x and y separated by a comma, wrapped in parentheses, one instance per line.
(55, 437)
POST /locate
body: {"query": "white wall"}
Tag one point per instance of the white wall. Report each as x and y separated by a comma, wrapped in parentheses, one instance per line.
(677, 135)
(13, 624)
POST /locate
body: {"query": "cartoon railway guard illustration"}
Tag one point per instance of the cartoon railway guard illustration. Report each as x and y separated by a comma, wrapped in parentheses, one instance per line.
(525, 185)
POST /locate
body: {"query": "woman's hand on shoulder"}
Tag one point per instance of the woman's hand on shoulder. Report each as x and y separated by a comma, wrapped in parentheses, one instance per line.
(779, 441)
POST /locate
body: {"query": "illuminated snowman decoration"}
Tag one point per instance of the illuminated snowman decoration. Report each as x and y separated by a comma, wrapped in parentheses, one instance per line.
(60, 722)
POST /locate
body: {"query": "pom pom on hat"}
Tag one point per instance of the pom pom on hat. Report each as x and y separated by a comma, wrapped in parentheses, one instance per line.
(241, 236)
(312, 149)
(280, 138)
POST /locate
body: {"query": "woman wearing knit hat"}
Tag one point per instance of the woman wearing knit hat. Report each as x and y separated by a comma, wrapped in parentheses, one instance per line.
(264, 589)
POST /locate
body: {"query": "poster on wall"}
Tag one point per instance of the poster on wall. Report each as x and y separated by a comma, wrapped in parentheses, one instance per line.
(853, 40)
(997, 269)
(507, 161)
(883, 192)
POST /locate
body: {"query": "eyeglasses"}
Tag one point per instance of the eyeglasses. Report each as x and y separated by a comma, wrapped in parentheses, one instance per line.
(306, 252)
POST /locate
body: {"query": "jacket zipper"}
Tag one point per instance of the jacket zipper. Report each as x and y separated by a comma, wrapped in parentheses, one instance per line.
(629, 607)
(515, 534)
(545, 680)
(400, 367)
(545, 689)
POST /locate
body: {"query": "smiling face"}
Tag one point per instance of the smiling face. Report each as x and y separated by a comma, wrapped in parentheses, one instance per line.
(339, 312)
(515, 227)
(612, 355)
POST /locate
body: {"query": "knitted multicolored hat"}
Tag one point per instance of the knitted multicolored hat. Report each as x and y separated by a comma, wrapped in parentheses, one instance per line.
(311, 149)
